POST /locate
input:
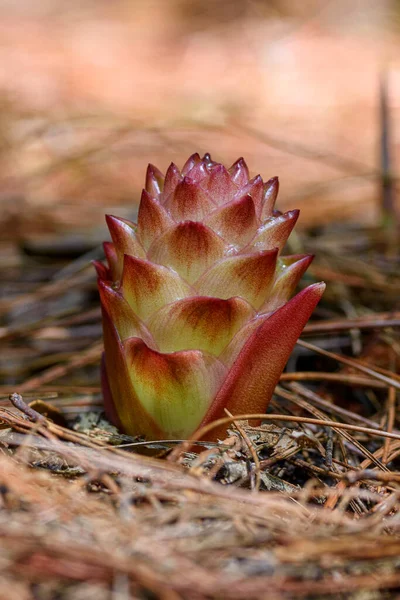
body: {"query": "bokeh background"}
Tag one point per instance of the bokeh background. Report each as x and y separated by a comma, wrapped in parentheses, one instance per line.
(92, 90)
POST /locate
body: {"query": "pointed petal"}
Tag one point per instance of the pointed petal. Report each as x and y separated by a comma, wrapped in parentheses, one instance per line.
(208, 161)
(198, 172)
(112, 259)
(172, 178)
(147, 286)
(191, 161)
(154, 181)
(122, 403)
(287, 262)
(175, 389)
(204, 323)
(235, 221)
(273, 302)
(125, 241)
(102, 271)
(255, 187)
(220, 186)
(248, 276)
(271, 189)
(239, 172)
(251, 381)
(275, 232)
(190, 248)
(289, 272)
(153, 220)
(189, 201)
(122, 316)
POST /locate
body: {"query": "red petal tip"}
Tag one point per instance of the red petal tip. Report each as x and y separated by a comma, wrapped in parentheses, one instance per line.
(154, 180)
(101, 270)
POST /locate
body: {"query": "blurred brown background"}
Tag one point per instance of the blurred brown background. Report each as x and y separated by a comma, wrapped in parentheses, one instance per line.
(91, 91)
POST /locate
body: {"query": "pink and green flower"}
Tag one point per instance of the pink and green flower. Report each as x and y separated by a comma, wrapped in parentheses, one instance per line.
(198, 313)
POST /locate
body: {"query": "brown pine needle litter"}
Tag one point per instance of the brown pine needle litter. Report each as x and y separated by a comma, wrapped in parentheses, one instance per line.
(305, 505)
